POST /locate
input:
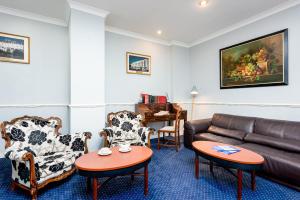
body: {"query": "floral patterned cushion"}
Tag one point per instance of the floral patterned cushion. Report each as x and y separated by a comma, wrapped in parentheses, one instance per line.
(74, 142)
(125, 128)
(46, 167)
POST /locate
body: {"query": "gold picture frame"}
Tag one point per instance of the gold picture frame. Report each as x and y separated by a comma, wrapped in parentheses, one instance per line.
(138, 63)
(14, 48)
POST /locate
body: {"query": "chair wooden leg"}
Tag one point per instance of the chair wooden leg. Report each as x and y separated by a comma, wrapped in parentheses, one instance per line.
(13, 186)
(33, 192)
(176, 141)
(158, 142)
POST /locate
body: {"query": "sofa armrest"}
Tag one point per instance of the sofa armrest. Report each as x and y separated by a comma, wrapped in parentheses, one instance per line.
(197, 126)
(193, 127)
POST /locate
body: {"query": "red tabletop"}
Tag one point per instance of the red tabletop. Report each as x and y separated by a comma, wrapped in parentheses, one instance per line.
(244, 156)
(117, 160)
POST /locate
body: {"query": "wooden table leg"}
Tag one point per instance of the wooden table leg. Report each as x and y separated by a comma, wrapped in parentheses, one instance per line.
(211, 167)
(240, 184)
(253, 182)
(88, 183)
(158, 140)
(196, 166)
(95, 188)
(146, 180)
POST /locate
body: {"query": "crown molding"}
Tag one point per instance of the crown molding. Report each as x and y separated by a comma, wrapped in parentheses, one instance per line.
(182, 44)
(32, 16)
(144, 37)
(286, 5)
(136, 35)
(88, 9)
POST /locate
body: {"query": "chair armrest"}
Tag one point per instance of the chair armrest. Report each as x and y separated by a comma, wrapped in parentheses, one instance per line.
(196, 126)
(150, 132)
(106, 134)
(73, 142)
(20, 155)
(144, 134)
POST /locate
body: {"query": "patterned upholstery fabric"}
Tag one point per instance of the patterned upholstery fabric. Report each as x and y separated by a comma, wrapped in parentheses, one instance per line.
(53, 154)
(125, 128)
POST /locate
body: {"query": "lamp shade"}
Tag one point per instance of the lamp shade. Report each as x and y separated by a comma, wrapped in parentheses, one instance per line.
(194, 91)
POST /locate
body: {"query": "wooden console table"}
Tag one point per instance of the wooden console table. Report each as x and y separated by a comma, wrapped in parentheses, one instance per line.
(148, 111)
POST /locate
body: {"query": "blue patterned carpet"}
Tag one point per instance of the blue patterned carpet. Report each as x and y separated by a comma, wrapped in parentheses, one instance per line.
(171, 176)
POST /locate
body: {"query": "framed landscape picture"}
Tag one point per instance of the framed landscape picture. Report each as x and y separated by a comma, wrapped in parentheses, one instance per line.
(14, 48)
(138, 63)
(261, 61)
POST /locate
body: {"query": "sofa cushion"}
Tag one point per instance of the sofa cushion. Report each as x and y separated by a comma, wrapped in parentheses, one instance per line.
(227, 132)
(216, 138)
(277, 133)
(280, 143)
(54, 162)
(278, 163)
(234, 122)
(278, 128)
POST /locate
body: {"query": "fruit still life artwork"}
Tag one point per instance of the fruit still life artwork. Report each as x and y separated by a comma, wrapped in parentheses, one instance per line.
(259, 62)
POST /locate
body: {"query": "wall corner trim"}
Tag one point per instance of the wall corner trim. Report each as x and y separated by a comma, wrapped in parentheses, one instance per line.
(88, 9)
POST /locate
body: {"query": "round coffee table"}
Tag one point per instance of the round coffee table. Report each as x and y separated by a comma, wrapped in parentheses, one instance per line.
(95, 166)
(244, 160)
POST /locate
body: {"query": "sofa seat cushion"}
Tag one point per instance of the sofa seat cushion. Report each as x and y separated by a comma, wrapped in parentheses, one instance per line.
(55, 163)
(236, 134)
(217, 138)
(281, 164)
(280, 143)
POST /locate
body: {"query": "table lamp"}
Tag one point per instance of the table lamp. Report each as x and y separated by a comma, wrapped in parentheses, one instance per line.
(194, 93)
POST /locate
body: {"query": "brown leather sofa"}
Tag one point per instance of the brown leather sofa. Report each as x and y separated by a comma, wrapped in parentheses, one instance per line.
(277, 141)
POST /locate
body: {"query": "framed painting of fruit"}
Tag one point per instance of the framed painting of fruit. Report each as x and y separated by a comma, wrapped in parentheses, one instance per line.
(262, 61)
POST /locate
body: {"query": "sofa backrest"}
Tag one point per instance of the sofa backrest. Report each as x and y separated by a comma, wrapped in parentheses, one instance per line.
(276, 133)
(125, 124)
(234, 122)
(231, 125)
(36, 133)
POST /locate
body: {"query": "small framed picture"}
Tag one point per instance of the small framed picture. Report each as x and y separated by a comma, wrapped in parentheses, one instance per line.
(138, 64)
(14, 48)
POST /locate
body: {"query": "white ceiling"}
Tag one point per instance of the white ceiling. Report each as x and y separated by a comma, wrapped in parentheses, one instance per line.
(180, 20)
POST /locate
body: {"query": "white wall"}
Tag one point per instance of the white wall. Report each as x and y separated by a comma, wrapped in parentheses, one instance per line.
(126, 88)
(42, 85)
(181, 74)
(170, 73)
(205, 73)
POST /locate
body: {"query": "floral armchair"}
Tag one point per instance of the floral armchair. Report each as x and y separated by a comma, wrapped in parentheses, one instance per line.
(125, 127)
(39, 155)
